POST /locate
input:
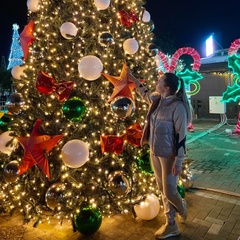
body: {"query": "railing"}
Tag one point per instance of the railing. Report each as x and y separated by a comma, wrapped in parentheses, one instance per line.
(3, 105)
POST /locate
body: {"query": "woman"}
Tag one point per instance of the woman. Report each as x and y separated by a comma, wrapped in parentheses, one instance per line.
(165, 132)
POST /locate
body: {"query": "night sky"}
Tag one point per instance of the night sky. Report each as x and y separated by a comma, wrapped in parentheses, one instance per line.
(189, 21)
(192, 21)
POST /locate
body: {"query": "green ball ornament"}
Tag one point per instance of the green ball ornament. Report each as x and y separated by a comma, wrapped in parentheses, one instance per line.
(181, 190)
(74, 109)
(143, 163)
(4, 127)
(5, 119)
(88, 220)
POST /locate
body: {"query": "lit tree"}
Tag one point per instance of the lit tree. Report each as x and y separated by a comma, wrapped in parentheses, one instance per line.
(75, 103)
(16, 52)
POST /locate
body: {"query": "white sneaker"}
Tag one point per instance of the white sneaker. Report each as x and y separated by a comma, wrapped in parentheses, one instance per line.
(183, 217)
(167, 231)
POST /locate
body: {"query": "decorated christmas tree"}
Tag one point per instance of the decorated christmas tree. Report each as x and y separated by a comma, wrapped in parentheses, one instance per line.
(16, 52)
(76, 123)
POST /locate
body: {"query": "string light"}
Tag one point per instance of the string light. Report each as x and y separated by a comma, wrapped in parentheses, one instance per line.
(59, 57)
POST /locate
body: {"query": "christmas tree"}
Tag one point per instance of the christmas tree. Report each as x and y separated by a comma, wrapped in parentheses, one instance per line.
(16, 53)
(76, 120)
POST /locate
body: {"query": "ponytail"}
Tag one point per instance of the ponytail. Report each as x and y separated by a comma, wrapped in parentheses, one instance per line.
(182, 95)
(177, 87)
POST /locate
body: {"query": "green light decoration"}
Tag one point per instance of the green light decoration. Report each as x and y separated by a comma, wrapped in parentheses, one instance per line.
(143, 162)
(191, 77)
(232, 94)
(234, 63)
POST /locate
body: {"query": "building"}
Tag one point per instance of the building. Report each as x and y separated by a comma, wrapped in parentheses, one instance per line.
(216, 77)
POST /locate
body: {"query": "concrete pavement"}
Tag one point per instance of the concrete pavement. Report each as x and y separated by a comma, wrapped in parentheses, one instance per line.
(216, 157)
(213, 202)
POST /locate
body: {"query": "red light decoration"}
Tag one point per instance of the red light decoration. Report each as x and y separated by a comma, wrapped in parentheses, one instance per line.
(234, 47)
(175, 57)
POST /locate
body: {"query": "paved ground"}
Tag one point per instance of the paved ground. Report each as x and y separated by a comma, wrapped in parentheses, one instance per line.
(213, 202)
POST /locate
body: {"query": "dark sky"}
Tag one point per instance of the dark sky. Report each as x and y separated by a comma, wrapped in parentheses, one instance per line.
(192, 21)
(11, 11)
(189, 21)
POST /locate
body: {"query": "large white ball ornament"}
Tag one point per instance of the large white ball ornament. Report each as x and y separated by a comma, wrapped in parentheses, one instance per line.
(90, 67)
(4, 139)
(149, 208)
(75, 153)
(146, 17)
(33, 5)
(130, 46)
(102, 4)
(17, 71)
(68, 30)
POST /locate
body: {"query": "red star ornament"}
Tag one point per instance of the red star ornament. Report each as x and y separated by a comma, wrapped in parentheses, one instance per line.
(26, 38)
(123, 85)
(35, 148)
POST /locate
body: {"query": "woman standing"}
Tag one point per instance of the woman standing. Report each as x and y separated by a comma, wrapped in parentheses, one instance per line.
(165, 132)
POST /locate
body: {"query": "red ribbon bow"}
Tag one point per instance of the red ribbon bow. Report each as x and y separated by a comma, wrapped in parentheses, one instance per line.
(113, 143)
(46, 84)
(127, 18)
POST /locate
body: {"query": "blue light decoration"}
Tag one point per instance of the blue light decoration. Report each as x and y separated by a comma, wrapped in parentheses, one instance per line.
(16, 53)
(232, 94)
(191, 77)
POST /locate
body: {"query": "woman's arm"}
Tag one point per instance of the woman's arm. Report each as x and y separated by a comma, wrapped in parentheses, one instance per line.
(180, 126)
(143, 91)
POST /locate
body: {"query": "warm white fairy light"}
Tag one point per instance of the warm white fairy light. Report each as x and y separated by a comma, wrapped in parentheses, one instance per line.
(69, 69)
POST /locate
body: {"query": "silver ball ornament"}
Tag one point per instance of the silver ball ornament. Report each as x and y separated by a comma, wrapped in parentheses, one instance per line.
(15, 103)
(119, 184)
(10, 172)
(106, 39)
(55, 196)
(122, 107)
(152, 50)
(187, 179)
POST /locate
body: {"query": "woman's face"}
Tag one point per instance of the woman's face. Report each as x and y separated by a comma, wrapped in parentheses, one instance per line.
(160, 85)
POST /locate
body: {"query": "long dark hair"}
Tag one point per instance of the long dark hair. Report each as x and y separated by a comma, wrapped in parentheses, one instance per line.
(177, 87)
